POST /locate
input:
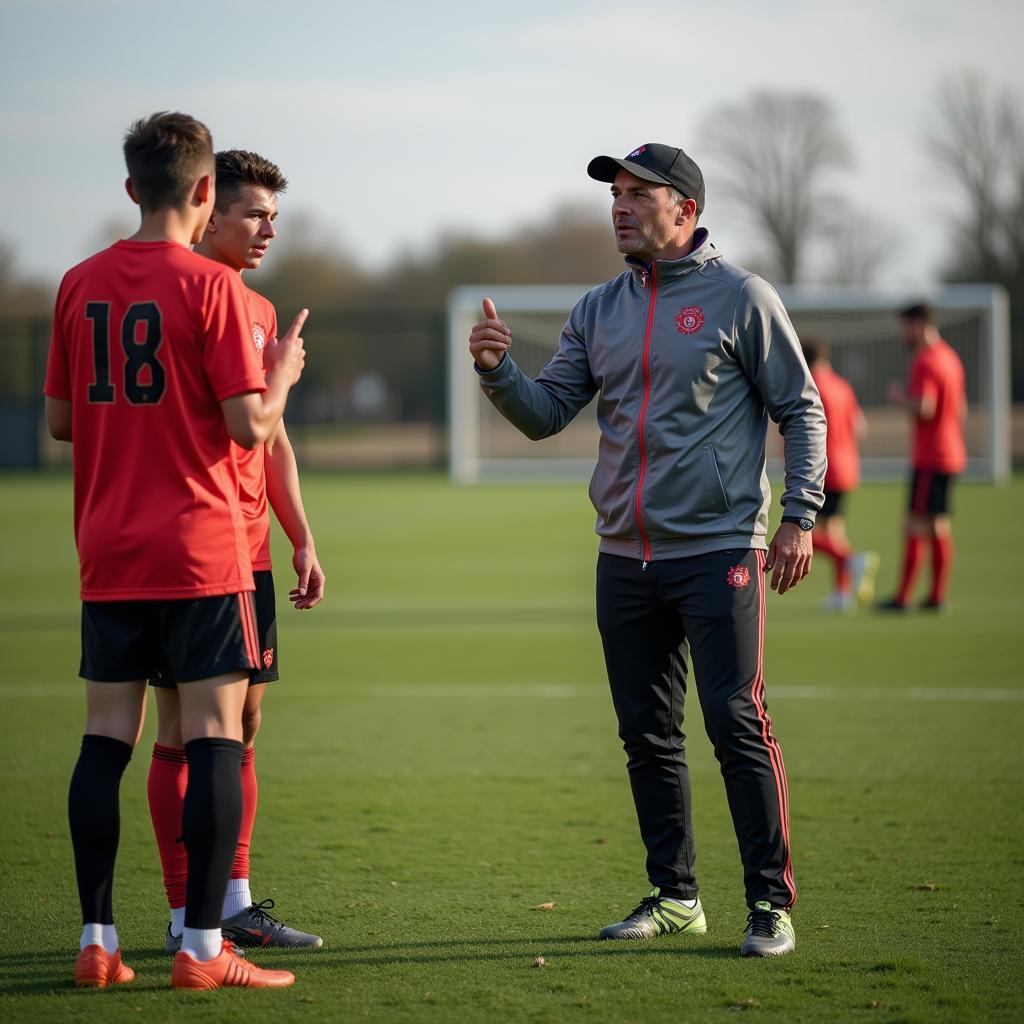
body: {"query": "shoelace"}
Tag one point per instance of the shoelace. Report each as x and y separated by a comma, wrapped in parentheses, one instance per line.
(762, 923)
(260, 911)
(647, 905)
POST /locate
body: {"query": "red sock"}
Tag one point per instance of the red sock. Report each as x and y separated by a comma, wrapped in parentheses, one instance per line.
(942, 562)
(240, 868)
(168, 777)
(912, 557)
(840, 553)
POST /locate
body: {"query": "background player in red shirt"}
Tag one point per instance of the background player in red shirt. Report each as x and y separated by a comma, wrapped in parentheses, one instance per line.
(151, 374)
(237, 236)
(937, 401)
(855, 571)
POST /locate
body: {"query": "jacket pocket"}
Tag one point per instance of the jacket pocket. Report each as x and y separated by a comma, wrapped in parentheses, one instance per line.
(715, 489)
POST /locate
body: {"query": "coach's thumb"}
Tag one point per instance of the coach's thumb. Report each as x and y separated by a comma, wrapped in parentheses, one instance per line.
(304, 580)
(490, 312)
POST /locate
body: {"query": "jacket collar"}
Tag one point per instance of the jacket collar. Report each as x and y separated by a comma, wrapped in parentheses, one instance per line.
(702, 252)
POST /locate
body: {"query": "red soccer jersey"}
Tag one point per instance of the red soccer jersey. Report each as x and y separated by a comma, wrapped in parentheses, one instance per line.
(937, 372)
(148, 339)
(841, 414)
(251, 467)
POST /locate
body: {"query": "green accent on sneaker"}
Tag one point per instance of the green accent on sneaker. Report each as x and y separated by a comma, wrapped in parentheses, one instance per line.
(657, 915)
(769, 932)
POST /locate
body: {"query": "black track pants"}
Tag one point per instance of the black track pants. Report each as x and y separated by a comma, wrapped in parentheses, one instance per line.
(714, 605)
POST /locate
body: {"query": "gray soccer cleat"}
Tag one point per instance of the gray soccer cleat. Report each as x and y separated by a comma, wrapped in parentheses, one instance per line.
(255, 927)
(658, 915)
(769, 932)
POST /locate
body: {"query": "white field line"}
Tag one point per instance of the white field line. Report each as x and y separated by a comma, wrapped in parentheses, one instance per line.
(562, 691)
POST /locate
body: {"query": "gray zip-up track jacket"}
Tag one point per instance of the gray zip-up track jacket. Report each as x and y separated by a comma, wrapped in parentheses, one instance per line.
(688, 359)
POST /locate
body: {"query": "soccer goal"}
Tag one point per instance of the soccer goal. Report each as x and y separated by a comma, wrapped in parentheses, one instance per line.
(860, 325)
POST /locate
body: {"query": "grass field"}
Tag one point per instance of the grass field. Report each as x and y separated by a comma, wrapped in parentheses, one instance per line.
(440, 757)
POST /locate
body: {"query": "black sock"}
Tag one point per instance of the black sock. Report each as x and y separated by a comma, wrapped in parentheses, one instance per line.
(95, 819)
(210, 823)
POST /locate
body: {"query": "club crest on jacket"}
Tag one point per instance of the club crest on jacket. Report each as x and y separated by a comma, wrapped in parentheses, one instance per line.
(690, 319)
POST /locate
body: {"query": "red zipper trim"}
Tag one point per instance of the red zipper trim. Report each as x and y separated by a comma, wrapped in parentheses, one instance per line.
(638, 511)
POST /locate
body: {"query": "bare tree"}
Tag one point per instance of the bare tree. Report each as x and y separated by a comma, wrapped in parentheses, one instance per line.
(980, 146)
(857, 245)
(775, 154)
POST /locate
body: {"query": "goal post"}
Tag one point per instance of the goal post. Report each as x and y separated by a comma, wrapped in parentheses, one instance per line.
(860, 324)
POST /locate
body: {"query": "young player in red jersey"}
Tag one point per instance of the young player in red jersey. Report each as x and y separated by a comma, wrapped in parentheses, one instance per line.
(237, 236)
(151, 375)
(855, 571)
(937, 401)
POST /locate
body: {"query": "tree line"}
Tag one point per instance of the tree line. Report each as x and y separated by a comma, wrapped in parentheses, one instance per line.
(778, 157)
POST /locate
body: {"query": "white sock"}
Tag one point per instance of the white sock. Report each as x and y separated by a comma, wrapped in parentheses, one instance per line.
(689, 904)
(202, 943)
(104, 935)
(177, 920)
(236, 898)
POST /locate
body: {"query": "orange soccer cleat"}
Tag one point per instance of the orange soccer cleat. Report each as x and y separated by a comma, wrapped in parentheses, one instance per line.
(227, 970)
(97, 968)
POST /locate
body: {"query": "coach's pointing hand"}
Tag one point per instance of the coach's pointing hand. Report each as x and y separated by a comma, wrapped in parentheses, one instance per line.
(490, 338)
(288, 356)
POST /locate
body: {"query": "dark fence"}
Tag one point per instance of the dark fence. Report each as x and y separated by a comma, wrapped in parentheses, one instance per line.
(373, 393)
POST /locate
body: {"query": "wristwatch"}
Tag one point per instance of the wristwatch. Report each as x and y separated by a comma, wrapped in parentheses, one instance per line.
(803, 522)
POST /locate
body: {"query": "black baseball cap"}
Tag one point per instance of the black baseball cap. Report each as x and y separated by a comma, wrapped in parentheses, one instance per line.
(654, 162)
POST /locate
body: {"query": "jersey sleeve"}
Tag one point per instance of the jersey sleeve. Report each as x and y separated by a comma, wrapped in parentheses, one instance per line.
(58, 369)
(922, 380)
(231, 361)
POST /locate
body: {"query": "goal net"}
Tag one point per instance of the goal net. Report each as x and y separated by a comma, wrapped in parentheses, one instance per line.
(860, 325)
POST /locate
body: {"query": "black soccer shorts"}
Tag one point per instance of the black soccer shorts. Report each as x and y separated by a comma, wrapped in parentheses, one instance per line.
(266, 628)
(264, 604)
(930, 492)
(180, 641)
(833, 506)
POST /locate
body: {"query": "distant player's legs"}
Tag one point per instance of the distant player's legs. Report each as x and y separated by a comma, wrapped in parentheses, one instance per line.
(927, 526)
(829, 537)
(942, 560)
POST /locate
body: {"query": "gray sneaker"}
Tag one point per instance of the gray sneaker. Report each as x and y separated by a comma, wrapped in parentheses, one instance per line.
(255, 927)
(658, 915)
(769, 932)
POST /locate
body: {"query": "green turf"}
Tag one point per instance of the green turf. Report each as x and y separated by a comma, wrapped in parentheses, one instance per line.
(441, 757)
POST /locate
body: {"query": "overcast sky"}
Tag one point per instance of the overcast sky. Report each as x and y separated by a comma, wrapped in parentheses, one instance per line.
(394, 121)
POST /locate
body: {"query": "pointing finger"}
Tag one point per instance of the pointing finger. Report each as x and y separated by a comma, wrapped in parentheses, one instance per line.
(297, 323)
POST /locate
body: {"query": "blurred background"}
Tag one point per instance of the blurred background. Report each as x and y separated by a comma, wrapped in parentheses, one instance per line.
(436, 146)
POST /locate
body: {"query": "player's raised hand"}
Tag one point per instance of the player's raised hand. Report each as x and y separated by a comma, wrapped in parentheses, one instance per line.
(490, 338)
(288, 356)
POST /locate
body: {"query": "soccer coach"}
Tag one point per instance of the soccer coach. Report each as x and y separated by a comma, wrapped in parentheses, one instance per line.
(688, 355)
